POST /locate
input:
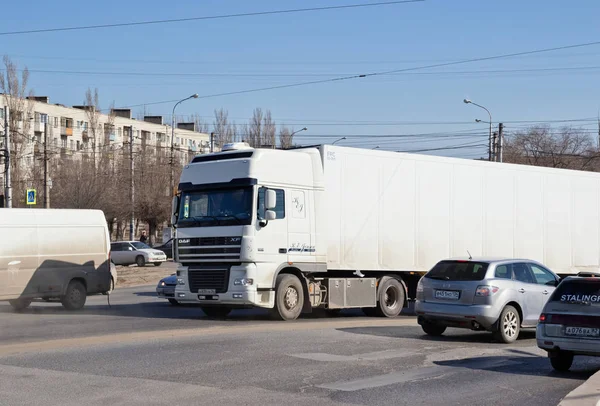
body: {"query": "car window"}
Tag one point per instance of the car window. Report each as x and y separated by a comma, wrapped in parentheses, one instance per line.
(115, 247)
(578, 291)
(458, 271)
(542, 276)
(522, 273)
(503, 272)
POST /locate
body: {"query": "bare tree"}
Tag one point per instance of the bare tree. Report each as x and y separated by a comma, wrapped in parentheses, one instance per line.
(224, 130)
(201, 125)
(18, 99)
(567, 148)
(269, 128)
(92, 112)
(285, 137)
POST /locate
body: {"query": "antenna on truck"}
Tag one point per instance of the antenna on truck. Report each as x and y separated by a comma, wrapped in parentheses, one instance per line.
(470, 257)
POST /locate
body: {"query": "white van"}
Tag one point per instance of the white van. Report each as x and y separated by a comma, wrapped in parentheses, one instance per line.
(53, 253)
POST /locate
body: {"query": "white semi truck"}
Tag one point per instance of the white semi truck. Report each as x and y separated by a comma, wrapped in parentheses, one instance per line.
(336, 227)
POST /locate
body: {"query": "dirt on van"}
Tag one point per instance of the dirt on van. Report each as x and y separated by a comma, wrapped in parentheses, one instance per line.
(129, 276)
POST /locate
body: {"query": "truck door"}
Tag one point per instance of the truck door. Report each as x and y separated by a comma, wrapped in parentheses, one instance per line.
(300, 248)
(272, 239)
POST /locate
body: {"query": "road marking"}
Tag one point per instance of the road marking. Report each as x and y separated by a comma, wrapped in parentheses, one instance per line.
(371, 356)
(124, 338)
(412, 375)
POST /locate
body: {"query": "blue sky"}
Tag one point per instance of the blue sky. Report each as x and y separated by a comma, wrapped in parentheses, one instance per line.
(290, 48)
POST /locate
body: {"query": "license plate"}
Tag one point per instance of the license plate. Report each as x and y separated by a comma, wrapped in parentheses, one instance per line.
(447, 294)
(207, 291)
(582, 331)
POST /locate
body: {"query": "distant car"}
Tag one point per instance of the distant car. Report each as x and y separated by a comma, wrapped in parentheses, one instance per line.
(497, 295)
(166, 288)
(167, 248)
(570, 322)
(135, 252)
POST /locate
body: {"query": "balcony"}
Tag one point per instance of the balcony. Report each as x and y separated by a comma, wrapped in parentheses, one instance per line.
(67, 131)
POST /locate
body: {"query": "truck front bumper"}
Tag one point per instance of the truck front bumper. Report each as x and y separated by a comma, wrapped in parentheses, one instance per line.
(236, 295)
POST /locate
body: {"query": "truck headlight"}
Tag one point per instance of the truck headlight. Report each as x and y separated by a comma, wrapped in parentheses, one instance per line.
(180, 281)
(243, 282)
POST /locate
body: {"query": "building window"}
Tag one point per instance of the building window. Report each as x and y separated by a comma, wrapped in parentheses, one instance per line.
(120, 132)
(36, 117)
(85, 125)
(55, 122)
(78, 145)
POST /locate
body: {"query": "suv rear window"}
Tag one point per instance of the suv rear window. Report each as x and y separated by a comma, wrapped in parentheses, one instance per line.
(458, 271)
(584, 290)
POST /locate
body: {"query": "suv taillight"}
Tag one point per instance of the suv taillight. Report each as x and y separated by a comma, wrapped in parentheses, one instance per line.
(542, 318)
(486, 290)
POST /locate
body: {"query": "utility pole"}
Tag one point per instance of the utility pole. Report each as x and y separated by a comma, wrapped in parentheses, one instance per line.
(131, 167)
(212, 142)
(46, 184)
(500, 142)
(8, 188)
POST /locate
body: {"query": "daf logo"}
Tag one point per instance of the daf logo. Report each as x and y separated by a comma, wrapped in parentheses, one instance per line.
(184, 241)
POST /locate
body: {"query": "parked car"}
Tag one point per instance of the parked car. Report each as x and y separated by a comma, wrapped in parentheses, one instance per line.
(135, 252)
(497, 295)
(570, 322)
(166, 288)
(167, 248)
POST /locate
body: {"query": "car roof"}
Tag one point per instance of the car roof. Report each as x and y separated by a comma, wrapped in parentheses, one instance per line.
(490, 260)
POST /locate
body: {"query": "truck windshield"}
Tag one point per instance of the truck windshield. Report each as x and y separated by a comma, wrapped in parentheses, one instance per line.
(222, 207)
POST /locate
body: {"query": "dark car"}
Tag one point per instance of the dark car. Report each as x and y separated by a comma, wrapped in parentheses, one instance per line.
(167, 248)
(166, 288)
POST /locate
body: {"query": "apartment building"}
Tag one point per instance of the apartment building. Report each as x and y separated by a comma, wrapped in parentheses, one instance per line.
(71, 134)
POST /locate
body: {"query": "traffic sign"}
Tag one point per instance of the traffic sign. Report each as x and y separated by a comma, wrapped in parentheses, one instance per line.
(30, 196)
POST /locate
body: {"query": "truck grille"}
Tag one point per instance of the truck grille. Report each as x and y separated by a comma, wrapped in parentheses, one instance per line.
(213, 277)
(209, 248)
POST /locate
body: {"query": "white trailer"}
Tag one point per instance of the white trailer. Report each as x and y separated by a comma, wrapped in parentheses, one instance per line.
(335, 227)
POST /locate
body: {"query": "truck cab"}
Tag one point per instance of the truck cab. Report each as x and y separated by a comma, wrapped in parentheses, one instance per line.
(241, 217)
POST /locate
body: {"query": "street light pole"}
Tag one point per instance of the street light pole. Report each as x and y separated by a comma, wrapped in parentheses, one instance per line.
(467, 101)
(8, 188)
(341, 139)
(172, 161)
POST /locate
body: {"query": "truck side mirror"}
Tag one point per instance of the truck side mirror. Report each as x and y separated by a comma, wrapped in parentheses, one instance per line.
(270, 215)
(270, 199)
(174, 209)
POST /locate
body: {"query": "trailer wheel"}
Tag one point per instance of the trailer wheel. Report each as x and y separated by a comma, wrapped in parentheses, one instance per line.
(390, 295)
(75, 297)
(289, 298)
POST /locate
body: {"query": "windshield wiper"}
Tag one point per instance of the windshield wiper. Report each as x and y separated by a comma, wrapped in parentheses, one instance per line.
(232, 216)
(197, 220)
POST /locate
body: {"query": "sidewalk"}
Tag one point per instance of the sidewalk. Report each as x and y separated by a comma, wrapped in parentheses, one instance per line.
(587, 394)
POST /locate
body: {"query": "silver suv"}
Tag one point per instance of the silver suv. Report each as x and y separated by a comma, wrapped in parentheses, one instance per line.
(497, 295)
(570, 322)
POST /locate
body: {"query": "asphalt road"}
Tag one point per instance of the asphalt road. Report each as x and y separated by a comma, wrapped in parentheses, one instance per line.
(143, 351)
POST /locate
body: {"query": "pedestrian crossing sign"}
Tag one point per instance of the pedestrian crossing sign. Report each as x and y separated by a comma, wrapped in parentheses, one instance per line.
(30, 196)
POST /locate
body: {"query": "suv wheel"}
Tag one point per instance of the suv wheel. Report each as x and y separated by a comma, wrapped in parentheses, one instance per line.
(509, 326)
(561, 361)
(433, 329)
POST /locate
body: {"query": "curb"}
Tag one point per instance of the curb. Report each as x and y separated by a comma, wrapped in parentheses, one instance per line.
(588, 394)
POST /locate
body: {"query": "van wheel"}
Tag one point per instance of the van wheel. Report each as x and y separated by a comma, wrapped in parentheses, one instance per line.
(140, 261)
(289, 298)
(562, 361)
(20, 304)
(509, 326)
(390, 295)
(75, 297)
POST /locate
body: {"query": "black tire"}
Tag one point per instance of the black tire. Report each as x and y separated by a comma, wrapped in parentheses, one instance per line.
(157, 263)
(174, 302)
(509, 326)
(216, 312)
(20, 304)
(289, 298)
(75, 297)
(390, 297)
(432, 329)
(562, 361)
(140, 261)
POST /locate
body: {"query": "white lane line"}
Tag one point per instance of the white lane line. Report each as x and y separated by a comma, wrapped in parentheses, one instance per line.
(370, 356)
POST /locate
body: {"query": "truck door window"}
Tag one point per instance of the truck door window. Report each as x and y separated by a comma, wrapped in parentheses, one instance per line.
(279, 208)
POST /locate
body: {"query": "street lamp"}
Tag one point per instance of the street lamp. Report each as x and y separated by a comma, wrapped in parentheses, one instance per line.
(296, 132)
(467, 101)
(194, 96)
(341, 139)
(377, 147)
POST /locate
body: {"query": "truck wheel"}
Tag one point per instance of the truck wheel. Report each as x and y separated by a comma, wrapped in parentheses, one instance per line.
(390, 297)
(140, 261)
(75, 297)
(289, 298)
(562, 361)
(509, 326)
(433, 329)
(216, 312)
(20, 304)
